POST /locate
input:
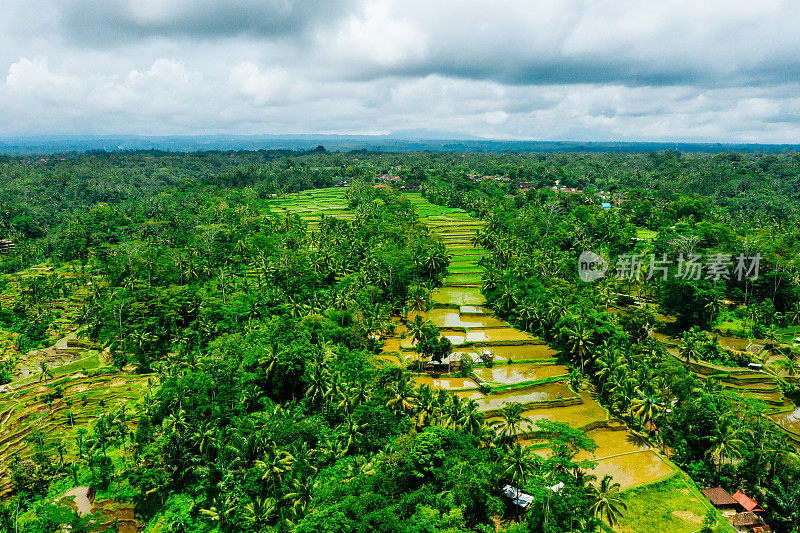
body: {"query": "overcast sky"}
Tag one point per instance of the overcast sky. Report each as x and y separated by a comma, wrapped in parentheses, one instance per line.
(703, 70)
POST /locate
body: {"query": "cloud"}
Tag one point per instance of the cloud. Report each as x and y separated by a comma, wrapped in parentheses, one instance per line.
(104, 22)
(551, 69)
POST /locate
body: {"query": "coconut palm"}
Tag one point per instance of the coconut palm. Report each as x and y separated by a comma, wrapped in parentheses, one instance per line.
(645, 408)
(519, 465)
(511, 423)
(44, 371)
(259, 512)
(578, 340)
(402, 397)
(607, 503)
(274, 463)
(726, 443)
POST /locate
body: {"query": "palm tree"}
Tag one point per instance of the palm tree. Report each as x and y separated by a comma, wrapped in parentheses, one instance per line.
(511, 423)
(259, 512)
(219, 510)
(645, 408)
(518, 465)
(274, 464)
(402, 397)
(608, 503)
(44, 371)
(508, 298)
(300, 495)
(726, 444)
(692, 344)
(578, 339)
(471, 419)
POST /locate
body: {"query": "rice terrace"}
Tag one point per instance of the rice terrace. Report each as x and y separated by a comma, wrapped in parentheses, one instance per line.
(383, 266)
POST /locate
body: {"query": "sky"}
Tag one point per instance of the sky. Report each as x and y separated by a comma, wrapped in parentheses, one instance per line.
(612, 70)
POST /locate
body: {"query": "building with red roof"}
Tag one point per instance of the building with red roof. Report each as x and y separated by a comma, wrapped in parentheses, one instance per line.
(748, 503)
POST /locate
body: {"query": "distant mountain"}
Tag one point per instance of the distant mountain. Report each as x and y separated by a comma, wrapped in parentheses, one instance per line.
(432, 135)
(400, 141)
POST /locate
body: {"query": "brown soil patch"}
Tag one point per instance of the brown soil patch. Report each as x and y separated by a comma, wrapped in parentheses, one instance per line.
(689, 517)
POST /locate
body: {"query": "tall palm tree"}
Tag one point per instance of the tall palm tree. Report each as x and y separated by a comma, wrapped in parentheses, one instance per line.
(607, 503)
(402, 397)
(692, 344)
(578, 340)
(726, 443)
(274, 463)
(44, 371)
(511, 423)
(259, 512)
(645, 408)
(518, 465)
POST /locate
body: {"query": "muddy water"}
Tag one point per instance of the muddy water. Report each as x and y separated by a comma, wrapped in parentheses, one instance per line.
(789, 420)
(455, 338)
(448, 318)
(539, 393)
(470, 395)
(633, 468)
(475, 310)
(498, 335)
(518, 373)
(577, 416)
(521, 353)
(450, 383)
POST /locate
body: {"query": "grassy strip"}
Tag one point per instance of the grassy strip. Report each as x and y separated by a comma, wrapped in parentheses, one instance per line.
(652, 507)
(504, 387)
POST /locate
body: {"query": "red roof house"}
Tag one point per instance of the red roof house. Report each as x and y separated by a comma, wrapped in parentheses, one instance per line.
(748, 503)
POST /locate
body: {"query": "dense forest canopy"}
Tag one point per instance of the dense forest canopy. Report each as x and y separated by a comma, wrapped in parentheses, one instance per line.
(256, 335)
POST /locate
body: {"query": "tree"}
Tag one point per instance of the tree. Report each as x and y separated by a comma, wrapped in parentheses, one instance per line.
(607, 503)
(511, 423)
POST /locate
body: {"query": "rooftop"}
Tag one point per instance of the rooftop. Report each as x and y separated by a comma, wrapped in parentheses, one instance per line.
(719, 496)
(747, 502)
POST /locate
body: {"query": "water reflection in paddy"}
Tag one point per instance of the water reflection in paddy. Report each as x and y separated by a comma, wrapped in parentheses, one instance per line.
(519, 373)
(610, 442)
(789, 420)
(540, 393)
(521, 353)
(458, 296)
(498, 335)
(448, 318)
(450, 383)
(475, 309)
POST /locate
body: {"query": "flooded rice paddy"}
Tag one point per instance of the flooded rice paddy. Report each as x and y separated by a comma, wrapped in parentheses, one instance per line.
(450, 318)
(449, 383)
(789, 420)
(498, 335)
(511, 374)
(524, 352)
(539, 393)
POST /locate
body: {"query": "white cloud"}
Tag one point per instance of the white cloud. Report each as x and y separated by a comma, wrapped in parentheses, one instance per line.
(552, 69)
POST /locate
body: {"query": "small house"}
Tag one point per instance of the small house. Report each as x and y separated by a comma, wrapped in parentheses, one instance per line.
(748, 522)
(747, 502)
(517, 497)
(722, 500)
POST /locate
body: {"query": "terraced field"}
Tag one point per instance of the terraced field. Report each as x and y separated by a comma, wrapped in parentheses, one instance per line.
(763, 386)
(54, 409)
(524, 370)
(310, 205)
